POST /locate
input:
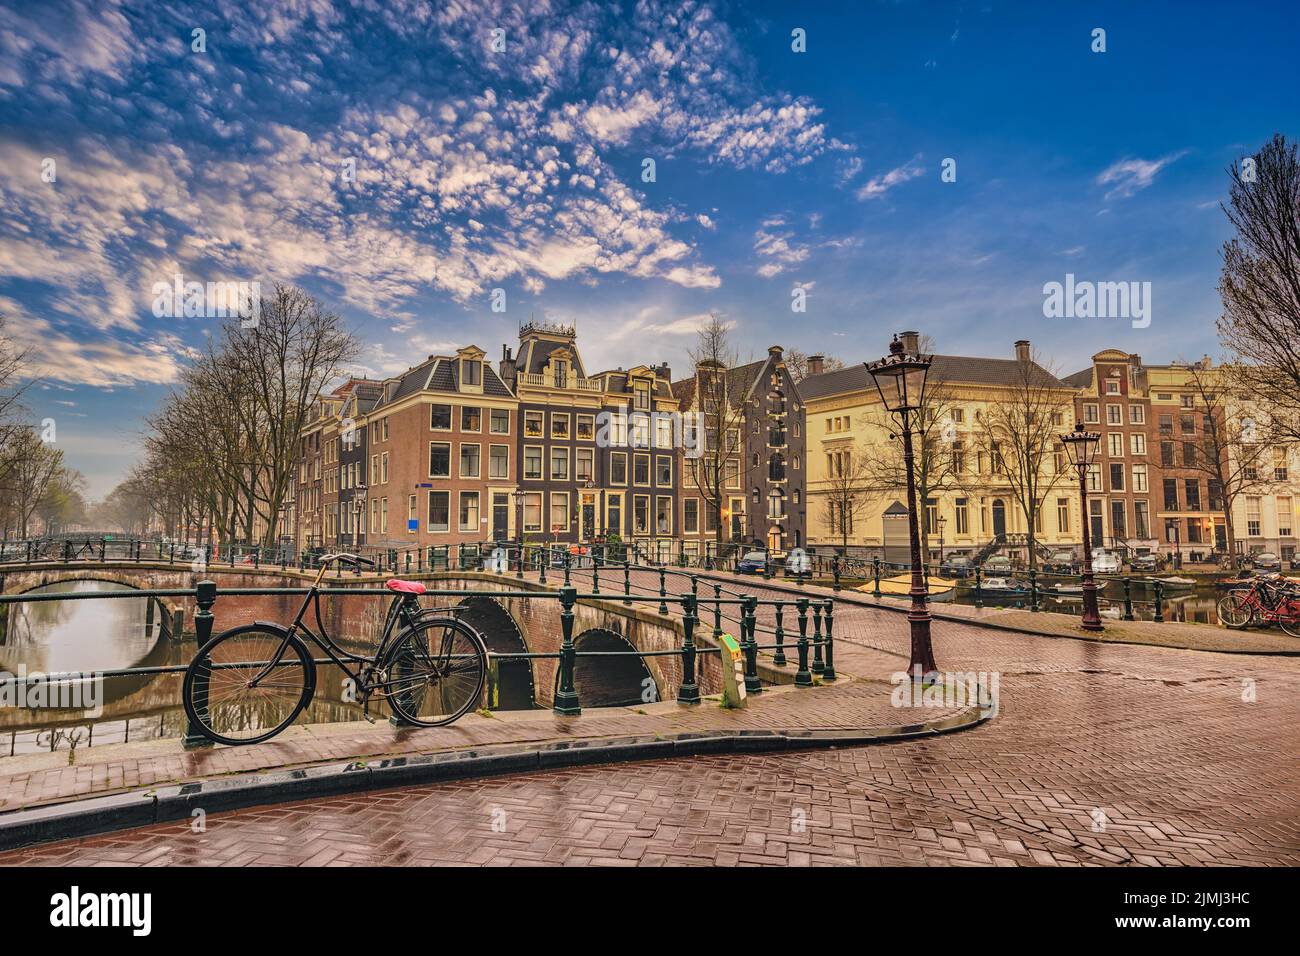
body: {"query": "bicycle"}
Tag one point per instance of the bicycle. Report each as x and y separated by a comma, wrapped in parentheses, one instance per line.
(1263, 602)
(247, 684)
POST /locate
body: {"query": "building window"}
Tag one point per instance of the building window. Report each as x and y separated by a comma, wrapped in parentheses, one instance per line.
(584, 463)
(1091, 413)
(691, 516)
(499, 461)
(1114, 414)
(469, 511)
(1118, 524)
(1141, 519)
(1192, 488)
(664, 516)
(440, 418)
(383, 468)
(641, 514)
(1137, 415)
(533, 424)
(1284, 516)
(1063, 515)
(533, 511)
(471, 372)
(1115, 444)
(586, 427)
(1252, 517)
(641, 470)
(412, 514)
(471, 419)
(439, 511)
(559, 464)
(1171, 494)
(533, 462)
(1116, 477)
(469, 460)
(614, 514)
(664, 470)
(618, 468)
(641, 396)
(560, 512)
(499, 421)
(1138, 443)
(1140, 478)
(559, 425)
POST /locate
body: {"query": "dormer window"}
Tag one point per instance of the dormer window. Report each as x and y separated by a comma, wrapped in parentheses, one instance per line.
(471, 372)
(641, 396)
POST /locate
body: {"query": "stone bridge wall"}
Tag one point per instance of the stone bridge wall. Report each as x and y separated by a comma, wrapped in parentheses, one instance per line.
(357, 621)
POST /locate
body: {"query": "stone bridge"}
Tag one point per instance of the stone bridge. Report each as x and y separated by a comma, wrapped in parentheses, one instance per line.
(509, 623)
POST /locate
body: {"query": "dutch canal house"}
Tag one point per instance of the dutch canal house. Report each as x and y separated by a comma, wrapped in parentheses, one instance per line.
(596, 461)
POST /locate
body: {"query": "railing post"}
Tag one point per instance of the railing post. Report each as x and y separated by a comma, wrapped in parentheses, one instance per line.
(778, 657)
(875, 573)
(627, 581)
(717, 611)
(663, 591)
(566, 696)
(545, 555)
(979, 588)
(829, 673)
(102, 548)
(519, 563)
(1128, 598)
(205, 595)
(689, 692)
(749, 624)
(568, 565)
(818, 667)
(803, 677)
(1160, 611)
(835, 569)
(595, 572)
(1033, 589)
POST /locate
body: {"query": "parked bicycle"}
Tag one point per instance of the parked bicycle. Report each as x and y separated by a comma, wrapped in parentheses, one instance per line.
(247, 684)
(1266, 600)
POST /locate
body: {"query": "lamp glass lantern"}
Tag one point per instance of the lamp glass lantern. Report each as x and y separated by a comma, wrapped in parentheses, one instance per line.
(900, 378)
(1082, 446)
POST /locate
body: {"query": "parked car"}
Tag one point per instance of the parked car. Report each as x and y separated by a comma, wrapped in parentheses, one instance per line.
(1105, 562)
(798, 562)
(1266, 561)
(998, 564)
(1144, 563)
(754, 562)
(957, 566)
(1062, 562)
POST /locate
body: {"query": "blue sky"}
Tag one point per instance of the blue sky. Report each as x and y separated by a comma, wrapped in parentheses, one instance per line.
(521, 170)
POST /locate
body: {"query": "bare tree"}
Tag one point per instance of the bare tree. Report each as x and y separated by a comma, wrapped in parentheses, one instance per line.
(719, 400)
(939, 453)
(796, 362)
(33, 465)
(1234, 448)
(1020, 439)
(1260, 280)
(846, 490)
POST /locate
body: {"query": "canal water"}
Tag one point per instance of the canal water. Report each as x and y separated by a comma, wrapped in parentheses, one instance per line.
(89, 635)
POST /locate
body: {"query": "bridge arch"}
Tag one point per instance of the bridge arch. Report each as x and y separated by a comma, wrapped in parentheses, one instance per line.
(610, 681)
(513, 688)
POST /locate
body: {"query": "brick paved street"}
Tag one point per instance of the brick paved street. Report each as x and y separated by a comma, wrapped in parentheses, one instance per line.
(1101, 754)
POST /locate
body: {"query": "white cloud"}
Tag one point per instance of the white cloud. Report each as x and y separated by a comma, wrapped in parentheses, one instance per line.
(1128, 176)
(877, 186)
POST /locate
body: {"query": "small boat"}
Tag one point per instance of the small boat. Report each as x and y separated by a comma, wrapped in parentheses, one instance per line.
(1177, 583)
(1064, 589)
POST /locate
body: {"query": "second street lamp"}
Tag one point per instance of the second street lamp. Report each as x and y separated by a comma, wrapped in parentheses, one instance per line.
(1082, 446)
(900, 379)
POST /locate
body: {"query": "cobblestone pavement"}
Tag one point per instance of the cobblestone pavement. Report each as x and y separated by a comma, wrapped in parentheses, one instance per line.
(1101, 754)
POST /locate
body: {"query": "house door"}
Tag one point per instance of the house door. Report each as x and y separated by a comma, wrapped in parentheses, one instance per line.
(588, 516)
(999, 518)
(500, 516)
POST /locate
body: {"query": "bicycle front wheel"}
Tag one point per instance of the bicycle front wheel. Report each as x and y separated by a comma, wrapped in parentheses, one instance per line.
(435, 672)
(224, 697)
(1236, 610)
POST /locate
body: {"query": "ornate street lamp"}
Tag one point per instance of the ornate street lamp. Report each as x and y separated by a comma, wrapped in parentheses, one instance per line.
(900, 378)
(942, 522)
(1082, 447)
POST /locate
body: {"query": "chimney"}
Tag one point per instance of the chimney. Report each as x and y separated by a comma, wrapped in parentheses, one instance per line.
(1022, 350)
(911, 342)
(815, 363)
(507, 367)
(665, 372)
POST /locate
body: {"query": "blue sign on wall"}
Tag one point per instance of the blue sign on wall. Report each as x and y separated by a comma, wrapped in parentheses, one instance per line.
(412, 524)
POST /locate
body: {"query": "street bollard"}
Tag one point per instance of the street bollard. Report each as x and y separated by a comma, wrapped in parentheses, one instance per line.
(595, 572)
(835, 569)
(566, 696)
(979, 588)
(1160, 611)
(1128, 599)
(689, 692)
(717, 611)
(875, 570)
(663, 591)
(803, 677)
(627, 581)
(1033, 590)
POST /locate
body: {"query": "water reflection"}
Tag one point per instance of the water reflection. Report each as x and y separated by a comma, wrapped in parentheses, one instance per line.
(85, 635)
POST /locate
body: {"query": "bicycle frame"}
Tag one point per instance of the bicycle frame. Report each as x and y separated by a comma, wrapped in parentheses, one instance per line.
(402, 607)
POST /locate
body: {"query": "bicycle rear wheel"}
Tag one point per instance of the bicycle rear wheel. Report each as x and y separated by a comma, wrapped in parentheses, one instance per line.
(435, 672)
(1236, 610)
(220, 698)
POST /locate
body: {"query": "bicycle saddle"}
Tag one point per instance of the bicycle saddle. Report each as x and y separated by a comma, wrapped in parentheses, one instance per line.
(404, 587)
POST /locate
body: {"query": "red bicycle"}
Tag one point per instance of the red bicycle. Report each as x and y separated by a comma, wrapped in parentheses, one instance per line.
(1267, 601)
